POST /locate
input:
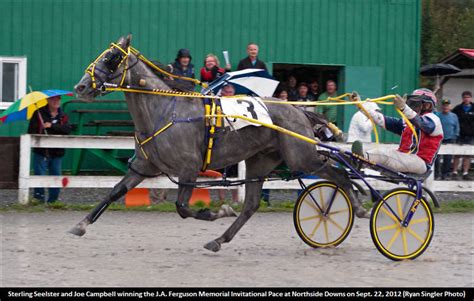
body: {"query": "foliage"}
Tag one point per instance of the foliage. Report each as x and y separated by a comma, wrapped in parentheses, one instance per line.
(284, 206)
(446, 26)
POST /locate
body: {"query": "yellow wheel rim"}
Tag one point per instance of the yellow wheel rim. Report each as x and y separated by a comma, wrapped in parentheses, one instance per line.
(391, 238)
(316, 229)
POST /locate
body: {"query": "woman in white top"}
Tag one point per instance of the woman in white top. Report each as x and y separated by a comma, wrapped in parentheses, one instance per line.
(360, 127)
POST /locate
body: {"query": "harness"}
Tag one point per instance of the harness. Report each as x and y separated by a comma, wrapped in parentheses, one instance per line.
(115, 56)
(212, 108)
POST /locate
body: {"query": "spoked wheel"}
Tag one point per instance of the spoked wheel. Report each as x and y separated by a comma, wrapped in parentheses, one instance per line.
(323, 215)
(391, 238)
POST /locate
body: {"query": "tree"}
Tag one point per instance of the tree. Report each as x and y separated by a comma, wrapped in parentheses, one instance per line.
(446, 26)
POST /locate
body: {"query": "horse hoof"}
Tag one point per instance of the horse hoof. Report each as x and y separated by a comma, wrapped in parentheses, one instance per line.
(78, 231)
(228, 211)
(213, 246)
(183, 211)
(80, 228)
(362, 213)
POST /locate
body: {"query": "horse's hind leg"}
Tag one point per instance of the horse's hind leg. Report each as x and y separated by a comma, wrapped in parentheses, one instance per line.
(182, 207)
(129, 181)
(342, 180)
(257, 166)
(182, 203)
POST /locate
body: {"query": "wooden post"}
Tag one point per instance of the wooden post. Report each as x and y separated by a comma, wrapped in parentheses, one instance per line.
(24, 172)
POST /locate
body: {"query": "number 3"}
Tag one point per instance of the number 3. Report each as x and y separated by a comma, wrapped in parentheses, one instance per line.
(250, 108)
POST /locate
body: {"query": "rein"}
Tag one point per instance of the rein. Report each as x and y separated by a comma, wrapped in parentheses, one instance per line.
(125, 54)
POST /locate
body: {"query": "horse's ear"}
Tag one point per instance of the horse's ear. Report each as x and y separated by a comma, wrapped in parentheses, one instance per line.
(128, 40)
(124, 42)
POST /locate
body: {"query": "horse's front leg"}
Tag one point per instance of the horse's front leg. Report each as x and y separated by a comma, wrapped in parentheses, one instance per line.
(182, 206)
(129, 181)
(257, 166)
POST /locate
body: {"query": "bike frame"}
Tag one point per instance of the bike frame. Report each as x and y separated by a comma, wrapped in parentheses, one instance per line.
(341, 156)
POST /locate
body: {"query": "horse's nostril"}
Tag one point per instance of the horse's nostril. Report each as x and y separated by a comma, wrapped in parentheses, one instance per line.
(79, 88)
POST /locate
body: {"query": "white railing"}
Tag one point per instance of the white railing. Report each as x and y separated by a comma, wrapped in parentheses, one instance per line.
(27, 181)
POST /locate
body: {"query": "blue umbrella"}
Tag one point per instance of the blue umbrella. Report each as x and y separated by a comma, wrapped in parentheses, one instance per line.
(257, 82)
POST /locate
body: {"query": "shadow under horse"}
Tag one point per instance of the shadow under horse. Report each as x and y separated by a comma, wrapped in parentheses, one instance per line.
(179, 151)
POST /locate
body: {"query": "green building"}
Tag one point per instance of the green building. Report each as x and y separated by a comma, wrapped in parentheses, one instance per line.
(371, 46)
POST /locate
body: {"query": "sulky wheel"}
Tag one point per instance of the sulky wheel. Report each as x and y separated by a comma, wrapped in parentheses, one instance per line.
(323, 215)
(391, 238)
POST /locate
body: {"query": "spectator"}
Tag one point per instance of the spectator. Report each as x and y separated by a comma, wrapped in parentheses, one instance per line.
(409, 157)
(329, 111)
(303, 94)
(465, 113)
(314, 89)
(182, 67)
(292, 89)
(49, 120)
(232, 171)
(450, 124)
(282, 94)
(251, 61)
(360, 127)
(211, 69)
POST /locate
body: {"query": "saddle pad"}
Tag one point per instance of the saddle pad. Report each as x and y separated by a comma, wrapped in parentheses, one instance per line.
(250, 107)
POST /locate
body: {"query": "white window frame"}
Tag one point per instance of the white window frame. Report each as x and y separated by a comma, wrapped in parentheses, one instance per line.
(22, 63)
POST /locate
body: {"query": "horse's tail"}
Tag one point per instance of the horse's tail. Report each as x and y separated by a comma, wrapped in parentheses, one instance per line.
(321, 126)
(316, 118)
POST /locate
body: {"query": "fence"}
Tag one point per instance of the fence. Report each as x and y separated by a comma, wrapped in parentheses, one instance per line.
(27, 181)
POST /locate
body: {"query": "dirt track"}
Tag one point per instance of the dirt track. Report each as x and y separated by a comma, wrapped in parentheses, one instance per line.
(159, 249)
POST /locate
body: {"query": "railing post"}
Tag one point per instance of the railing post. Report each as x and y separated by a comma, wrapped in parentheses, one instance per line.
(24, 172)
(241, 175)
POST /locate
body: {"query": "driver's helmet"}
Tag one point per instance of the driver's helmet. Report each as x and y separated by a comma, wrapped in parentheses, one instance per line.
(420, 96)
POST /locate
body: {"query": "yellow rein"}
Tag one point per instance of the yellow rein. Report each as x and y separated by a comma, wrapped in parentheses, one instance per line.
(330, 101)
(326, 102)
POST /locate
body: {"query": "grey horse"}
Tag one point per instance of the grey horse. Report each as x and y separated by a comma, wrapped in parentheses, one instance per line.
(179, 151)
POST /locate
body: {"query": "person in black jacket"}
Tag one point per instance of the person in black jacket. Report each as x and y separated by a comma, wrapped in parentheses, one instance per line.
(251, 61)
(182, 66)
(48, 120)
(465, 113)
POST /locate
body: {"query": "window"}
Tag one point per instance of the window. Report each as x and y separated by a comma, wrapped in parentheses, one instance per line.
(12, 80)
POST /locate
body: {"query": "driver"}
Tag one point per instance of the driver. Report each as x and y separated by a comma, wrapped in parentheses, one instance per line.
(413, 156)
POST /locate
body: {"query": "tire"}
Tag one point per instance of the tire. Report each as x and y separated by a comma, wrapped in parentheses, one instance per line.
(392, 239)
(431, 196)
(312, 227)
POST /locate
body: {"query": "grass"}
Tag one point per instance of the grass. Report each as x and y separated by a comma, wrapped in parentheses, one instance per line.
(286, 206)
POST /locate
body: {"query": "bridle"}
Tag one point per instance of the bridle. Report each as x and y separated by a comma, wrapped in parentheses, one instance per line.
(113, 58)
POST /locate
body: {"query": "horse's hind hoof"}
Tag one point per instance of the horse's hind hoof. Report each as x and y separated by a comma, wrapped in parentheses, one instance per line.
(213, 246)
(78, 231)
(226, 211)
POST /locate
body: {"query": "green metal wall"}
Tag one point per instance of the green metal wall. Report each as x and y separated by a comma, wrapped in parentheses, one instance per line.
(61, 37)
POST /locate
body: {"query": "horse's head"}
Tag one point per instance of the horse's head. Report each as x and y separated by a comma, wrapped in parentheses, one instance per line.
(106, 68)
